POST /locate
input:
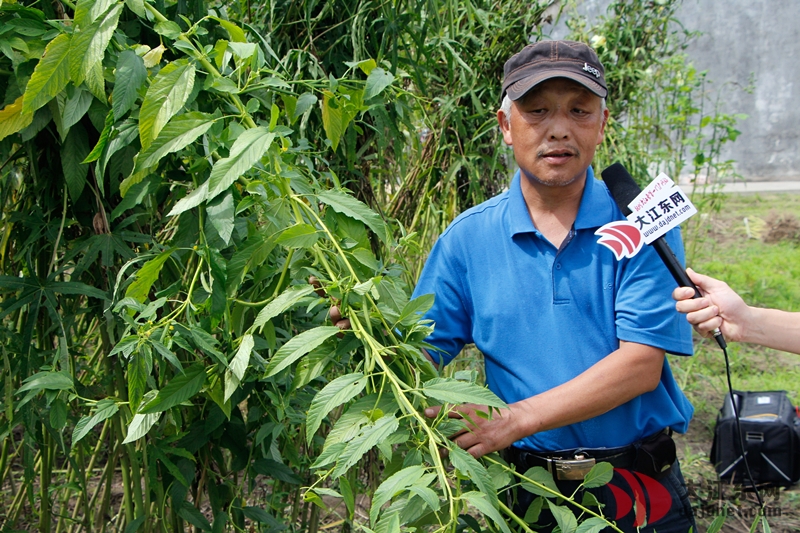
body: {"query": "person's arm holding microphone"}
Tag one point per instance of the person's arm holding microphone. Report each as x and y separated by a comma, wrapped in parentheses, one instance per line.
(721, 307)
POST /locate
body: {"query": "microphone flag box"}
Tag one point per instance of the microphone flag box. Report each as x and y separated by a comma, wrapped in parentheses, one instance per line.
(660, 206)
(770, 438)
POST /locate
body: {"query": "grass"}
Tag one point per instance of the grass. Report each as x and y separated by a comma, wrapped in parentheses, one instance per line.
(753, 243)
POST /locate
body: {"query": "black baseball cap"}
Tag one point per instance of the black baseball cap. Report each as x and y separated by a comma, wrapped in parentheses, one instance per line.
(553, 59)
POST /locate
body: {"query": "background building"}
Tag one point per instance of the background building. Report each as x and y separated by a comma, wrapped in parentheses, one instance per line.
(744, 41)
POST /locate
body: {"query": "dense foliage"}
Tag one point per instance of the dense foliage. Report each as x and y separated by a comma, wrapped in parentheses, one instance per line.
(186, 188)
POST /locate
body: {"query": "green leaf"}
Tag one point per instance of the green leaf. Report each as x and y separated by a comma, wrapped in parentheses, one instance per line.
(370, 436)
(89, 44)
(75, 287)
(599, 475)
(564, 517)
(339, 391)
(298, 236)
(542, 477)
(165, 97)
(347, 205)
(47, 381)
(168, 29)
(262, 517)
(137, 6)
(716, 525)
(414, 309)
(242, 358)
(12, 119)
(330, 454)
(592, 525)
(283, 302)
(457, 392)
(75, 108)
(73, 152)
(366, 65)
(50, 76)
(180, 389)
(480, 501)
(191, 200)
(146, 276)
(392, 486)
(138, 371)
(366, 409)
(136, 195)
(102, 142)
(298, 346)
(191, 514)
(167, 354)
(248, 148)
(235, 32)
(221, 215)
(58, 414)
(276, 470)
(87, 11)
(348, 496)
(103, 410)
(140, 425)
(332, 118)
(377, 81)
(390, 523)
(535, 509)
(304, 102)
(131, 75)
(476, 472)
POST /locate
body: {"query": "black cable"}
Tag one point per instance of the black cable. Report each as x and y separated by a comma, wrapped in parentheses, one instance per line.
(739, 431)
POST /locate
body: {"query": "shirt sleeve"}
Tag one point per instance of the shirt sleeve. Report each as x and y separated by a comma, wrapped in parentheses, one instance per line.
(443, 276)
(645, 311)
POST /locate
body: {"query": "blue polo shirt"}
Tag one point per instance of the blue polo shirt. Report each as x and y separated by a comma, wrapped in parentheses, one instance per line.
(542, 315)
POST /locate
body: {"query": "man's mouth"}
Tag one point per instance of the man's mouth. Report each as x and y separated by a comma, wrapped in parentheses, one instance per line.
(557, 155)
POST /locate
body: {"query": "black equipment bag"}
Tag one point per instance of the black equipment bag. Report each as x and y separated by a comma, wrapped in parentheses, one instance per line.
(771, 432)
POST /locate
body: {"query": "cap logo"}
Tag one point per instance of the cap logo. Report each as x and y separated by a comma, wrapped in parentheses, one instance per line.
(591, 70)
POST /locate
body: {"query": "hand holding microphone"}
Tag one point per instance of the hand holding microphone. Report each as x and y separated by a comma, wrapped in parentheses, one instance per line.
(624, 190)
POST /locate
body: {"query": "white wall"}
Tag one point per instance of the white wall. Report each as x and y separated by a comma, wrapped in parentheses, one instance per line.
(743, 38)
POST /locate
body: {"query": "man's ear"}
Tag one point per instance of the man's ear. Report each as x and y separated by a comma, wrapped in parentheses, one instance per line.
(505, 126)
(601, 135)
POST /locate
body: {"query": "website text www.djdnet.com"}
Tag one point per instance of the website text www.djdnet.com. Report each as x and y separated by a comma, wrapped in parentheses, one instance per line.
(667, 219)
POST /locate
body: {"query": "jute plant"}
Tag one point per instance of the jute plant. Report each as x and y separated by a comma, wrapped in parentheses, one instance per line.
(173, 175)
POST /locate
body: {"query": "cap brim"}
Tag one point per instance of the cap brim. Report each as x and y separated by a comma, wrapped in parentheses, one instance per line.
(520, 88)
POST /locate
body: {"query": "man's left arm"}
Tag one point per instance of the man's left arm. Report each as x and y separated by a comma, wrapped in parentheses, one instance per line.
(624, 374)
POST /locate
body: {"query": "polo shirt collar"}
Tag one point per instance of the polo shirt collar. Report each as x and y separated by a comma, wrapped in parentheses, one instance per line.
(596, 209)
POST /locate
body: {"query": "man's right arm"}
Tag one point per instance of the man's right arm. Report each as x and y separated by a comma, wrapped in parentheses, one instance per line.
(720, 307)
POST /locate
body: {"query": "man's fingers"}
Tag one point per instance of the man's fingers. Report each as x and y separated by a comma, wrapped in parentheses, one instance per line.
(314, 282)
(343, 324)
(336, 314)
(433, 412)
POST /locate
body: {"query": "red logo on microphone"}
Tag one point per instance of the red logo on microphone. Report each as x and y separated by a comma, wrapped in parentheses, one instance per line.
(621, 237)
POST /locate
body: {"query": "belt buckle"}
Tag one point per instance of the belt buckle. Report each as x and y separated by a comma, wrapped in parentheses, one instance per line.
(573, 469)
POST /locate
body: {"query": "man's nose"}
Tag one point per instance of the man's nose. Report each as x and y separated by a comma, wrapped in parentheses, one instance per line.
(559, 127)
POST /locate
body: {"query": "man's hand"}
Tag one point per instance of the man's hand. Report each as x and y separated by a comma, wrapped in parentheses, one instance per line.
(482, 436)
(335, 312)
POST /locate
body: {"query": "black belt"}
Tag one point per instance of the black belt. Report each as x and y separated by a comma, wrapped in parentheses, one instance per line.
(573, 465)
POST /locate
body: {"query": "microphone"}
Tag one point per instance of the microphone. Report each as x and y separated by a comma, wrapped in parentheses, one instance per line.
(624, 190)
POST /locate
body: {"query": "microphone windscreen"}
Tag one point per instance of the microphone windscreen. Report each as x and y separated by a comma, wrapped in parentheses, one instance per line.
(621, 185)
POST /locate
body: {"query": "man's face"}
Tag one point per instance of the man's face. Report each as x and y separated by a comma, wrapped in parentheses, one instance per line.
(554, 130)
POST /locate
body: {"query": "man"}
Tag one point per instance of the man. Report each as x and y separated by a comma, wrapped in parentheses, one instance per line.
(720, 307)
(573, 340)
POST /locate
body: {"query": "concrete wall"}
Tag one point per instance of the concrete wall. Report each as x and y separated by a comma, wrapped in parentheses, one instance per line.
(743, 38)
